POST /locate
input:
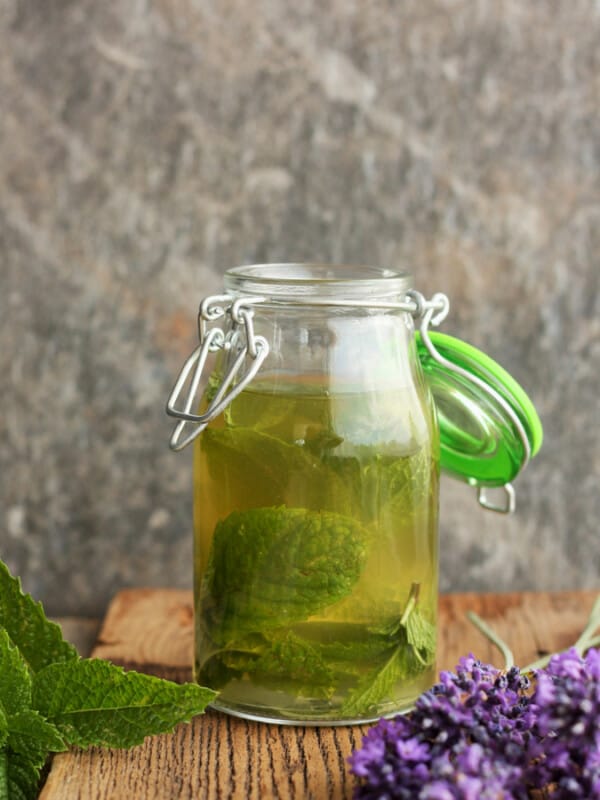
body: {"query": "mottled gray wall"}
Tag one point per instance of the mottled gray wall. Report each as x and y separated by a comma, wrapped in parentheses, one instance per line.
(147, 145)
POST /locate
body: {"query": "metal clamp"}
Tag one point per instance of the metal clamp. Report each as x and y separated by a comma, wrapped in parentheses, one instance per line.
(429, 317)
(212, 339)
(510, 500)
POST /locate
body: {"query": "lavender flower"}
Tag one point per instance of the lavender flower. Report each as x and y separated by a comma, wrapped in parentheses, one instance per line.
(483, 734)
(468, 738)
(567, 711)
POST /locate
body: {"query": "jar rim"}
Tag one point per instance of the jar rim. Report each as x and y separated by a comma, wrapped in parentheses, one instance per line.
(313, 279)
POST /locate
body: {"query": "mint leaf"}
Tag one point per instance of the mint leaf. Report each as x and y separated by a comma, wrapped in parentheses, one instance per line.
(308, 660)
(379, 684)
(93, 702)
(31, 735)
(351, 658)
(395, 486)
(283, 472)
(241, 452)
(19, 777)
(25, 736)
(343, 481)
(39, 640)
(293, 664)
(15, 680)
(270, 567)
(420, 634)
(409, 479)
(286, 662)
(414, 649)
(3, 771)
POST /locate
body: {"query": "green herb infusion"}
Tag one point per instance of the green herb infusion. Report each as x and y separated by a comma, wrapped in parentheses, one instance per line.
(316, 554)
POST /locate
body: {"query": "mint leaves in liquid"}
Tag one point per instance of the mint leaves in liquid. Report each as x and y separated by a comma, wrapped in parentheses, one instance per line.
(316, 518)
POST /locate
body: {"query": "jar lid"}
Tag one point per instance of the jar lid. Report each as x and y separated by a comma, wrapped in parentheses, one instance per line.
(477, 401)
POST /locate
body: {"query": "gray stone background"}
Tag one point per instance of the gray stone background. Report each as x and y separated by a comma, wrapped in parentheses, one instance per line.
(145, 146)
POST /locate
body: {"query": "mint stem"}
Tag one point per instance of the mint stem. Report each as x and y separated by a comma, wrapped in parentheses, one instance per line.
(494, 638)
(545, 660)
(583, 643)
(413, 598)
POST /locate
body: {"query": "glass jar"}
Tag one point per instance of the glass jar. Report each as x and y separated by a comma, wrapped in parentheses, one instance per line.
(316, 490)
(316, 505)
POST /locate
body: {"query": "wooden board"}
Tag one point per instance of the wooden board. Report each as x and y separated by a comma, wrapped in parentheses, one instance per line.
(218, 756)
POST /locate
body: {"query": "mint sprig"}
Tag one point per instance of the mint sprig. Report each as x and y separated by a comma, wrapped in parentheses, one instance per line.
(51, 699)
(93, 702)
(412, 648)
(40, 641)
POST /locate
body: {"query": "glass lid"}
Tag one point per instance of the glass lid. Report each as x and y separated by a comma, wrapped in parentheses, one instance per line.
(489, 427)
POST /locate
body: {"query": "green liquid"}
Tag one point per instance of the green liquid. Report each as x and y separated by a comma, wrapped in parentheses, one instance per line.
(316, 553)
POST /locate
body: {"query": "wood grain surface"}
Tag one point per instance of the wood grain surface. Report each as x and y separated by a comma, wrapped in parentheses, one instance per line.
(218, 756)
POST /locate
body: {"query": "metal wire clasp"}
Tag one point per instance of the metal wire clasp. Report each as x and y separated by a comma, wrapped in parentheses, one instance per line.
(239, 337)
(432, 313)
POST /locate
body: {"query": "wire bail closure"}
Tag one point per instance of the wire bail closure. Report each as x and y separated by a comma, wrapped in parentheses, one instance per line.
(254, 349)
(249, 346)
(508, 506)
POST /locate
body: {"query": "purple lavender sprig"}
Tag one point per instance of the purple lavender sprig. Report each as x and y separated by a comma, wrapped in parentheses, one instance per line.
(466, 739)
(488, 734)
(566, 708)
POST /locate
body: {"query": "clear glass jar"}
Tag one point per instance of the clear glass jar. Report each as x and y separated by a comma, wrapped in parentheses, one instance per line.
(316, 503)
